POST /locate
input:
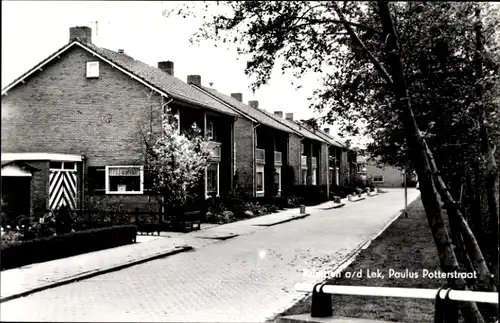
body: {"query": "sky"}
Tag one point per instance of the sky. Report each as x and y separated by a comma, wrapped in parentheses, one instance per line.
(33, 30)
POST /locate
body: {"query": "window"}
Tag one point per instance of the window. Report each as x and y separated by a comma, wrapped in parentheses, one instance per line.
(260, 179)
(277, 178)
(314, 172)
(60, 165)
(301, 149)
(92, 69)
(124, 179)
(378, 179)
(304, 177)
(361, 168)
(213, 178)
(331, 176)
(210, 130)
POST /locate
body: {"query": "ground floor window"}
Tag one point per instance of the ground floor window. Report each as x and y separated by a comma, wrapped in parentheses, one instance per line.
(124, 179)
(304, 176)
(314, 175)
(213, 179)
(259, 177)
(277, 178)
(378, 179)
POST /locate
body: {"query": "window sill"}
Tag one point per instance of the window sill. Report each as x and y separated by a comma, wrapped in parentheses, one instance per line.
(124, 193)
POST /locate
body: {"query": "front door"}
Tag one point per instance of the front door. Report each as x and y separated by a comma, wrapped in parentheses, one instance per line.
(63, 185)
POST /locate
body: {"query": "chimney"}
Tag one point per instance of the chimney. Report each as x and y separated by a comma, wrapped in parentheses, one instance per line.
(83, 33)
(289, 116)
(194, 79)
(327, 130)
(278, 114)
(254, 104)
(167, 67)
(237, 96)
(121, 51)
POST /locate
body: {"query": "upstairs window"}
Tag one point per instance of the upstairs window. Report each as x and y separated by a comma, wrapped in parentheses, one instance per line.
(210, 131)
(92, 69)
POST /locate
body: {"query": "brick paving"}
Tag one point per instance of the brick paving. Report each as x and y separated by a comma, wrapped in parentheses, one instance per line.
(249, 278)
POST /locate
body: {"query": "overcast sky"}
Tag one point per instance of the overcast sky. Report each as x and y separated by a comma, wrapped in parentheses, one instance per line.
(32, 30)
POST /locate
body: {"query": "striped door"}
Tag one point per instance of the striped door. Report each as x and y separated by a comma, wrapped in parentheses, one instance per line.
(62, 189)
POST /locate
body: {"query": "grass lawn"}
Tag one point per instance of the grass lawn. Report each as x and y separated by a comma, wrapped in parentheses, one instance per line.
(407, 243)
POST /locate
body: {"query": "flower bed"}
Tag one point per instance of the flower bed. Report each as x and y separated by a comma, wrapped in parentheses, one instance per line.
(17, 253)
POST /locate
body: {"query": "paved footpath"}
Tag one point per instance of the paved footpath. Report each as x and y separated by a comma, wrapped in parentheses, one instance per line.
(249, 278)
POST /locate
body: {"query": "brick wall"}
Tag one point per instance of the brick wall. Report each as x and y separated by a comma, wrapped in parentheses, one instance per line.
(323, 164)
(39, 187)
(294, 156)
(392, 175)
(243, 137)
(59, 110)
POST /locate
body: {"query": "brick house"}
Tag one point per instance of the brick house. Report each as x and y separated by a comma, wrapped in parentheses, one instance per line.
(379, 175)
(262, 146)
(74, 125)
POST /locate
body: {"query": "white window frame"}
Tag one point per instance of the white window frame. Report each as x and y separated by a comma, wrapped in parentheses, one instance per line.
(206, 180)
(92, 69)
(260, 169)
(62, 169)
(374, 181)
(141, 172)
(278, 171)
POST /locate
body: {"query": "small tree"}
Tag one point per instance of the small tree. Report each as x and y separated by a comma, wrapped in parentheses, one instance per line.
(176, 163)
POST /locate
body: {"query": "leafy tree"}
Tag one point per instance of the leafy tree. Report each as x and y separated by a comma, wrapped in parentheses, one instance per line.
(419, 73)
(176, 163)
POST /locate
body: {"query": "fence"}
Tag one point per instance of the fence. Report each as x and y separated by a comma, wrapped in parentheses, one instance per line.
(321, 304)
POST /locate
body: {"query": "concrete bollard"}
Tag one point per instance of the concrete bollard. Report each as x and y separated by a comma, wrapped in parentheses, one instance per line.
(350, 198)
(302, 209)
(336, 199)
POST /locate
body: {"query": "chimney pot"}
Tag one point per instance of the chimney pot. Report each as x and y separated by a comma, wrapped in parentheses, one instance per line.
(278, 114)
(254, 104)
(327, 130)
(167, 67)
(83, 33)
(237, 96)
(289, 116)
(121, 51)
(194, 79)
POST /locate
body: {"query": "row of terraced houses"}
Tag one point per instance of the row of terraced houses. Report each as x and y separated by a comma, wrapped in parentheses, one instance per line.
(71, 130)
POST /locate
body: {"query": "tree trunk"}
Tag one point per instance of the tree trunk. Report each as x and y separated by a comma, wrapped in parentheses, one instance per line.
(419, 152)
(491, 174)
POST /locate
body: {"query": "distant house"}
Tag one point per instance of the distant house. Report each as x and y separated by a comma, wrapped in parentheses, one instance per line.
(381, 175)
(77, 118)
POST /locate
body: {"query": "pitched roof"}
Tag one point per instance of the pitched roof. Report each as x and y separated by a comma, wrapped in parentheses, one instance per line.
(257, 114)
(153, 76)
(303, 130)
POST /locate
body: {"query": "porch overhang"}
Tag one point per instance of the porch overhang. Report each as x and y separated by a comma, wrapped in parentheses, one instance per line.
(17, 169)
(41, 156)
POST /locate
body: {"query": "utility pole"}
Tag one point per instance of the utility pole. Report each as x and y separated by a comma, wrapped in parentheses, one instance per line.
(406, 193)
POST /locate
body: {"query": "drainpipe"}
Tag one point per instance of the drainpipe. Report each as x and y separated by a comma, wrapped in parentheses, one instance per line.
(82, 185)
(327, 172)
(254, 172)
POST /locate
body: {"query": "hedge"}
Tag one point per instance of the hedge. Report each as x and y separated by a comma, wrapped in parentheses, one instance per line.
(23, 253)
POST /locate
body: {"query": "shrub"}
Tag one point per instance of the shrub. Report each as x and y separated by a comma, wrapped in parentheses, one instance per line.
(20, 253)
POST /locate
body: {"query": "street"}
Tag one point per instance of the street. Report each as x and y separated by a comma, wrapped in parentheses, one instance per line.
(248, 278)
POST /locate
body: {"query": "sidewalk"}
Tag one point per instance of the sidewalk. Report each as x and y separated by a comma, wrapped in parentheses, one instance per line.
(19, 282)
